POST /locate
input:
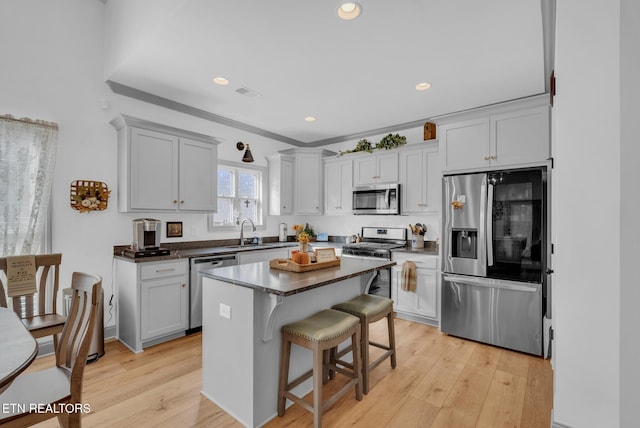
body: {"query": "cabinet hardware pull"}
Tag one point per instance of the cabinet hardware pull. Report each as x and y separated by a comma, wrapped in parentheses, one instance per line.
(184, 285)
(486, 158)
(182, 202)
(175, 201)
(165, 270)
(493, 156)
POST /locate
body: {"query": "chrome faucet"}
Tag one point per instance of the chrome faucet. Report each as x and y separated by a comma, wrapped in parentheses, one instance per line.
(242, 230)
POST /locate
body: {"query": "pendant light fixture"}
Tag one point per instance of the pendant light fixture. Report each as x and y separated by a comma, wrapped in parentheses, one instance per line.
(247, 157)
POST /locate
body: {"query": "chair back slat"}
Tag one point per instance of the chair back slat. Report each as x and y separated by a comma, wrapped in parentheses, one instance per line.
(48, 277)
(74, 342)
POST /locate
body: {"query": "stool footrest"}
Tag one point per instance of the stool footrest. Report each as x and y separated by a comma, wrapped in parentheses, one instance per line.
(299, 380)
(298, 401)
(380, 359)
(379, 345)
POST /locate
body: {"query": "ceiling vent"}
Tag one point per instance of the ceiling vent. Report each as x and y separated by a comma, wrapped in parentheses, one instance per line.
(247, 92)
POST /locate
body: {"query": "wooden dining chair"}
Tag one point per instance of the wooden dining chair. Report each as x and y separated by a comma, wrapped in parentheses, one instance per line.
(39, 317)
(57, 391)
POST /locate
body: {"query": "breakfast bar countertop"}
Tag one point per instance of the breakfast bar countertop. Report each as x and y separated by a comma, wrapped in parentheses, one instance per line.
(260, 276)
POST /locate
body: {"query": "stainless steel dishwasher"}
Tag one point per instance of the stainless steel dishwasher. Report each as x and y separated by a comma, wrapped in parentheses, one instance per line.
(199, 264)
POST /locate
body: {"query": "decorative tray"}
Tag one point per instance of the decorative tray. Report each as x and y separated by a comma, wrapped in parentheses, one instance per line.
(291, 266)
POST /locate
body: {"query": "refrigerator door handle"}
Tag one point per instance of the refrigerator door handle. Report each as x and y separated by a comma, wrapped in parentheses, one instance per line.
(493, 283)
(489, 224)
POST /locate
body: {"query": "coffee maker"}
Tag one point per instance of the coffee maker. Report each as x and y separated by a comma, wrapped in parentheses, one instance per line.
(146, 234)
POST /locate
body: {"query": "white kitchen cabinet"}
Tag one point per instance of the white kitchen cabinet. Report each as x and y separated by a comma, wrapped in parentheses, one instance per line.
(510, 134)
(420, 179)
(245, 257)
(520, 137)
(165, 169)
(299, 173)
(338, 186)
(375, 168)
(280, 184)
(307, 185)
(464, 145)
(423, 303)
(153, 301)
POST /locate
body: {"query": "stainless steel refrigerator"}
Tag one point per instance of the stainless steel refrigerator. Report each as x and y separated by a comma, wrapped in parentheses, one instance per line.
(494, 273)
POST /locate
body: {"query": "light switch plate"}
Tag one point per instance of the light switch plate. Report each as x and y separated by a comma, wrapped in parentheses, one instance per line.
(225, 311)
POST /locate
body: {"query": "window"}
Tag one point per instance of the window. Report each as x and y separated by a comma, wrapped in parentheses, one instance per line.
(240, 195)
(27, 160)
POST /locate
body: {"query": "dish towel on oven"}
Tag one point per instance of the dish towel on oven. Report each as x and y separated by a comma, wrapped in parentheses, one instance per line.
(408, 275)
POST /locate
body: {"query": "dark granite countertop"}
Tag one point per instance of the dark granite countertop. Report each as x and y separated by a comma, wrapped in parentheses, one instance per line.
(260, 276)
(186, 253)
(430, 249)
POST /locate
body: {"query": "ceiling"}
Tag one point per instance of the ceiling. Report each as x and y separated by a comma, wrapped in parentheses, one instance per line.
(299, 59)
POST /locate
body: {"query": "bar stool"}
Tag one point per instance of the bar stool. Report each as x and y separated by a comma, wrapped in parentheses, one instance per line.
(319, 333)
(369, 308)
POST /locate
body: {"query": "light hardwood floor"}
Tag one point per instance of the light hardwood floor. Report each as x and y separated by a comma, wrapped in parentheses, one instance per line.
(440, 381)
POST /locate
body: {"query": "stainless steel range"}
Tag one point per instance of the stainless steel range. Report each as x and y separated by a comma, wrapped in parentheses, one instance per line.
(377, 243)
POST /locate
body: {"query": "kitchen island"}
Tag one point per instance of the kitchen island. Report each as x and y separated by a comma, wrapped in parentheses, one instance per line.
(244, 308)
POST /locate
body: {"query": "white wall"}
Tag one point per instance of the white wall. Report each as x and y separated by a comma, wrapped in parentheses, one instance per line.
(53, 69)
(630, 204)
(587, 280)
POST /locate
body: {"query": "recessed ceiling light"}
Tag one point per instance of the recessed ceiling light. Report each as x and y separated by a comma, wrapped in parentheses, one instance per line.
(220, 81)
(310, 119)
(349, 11)
(423, 86)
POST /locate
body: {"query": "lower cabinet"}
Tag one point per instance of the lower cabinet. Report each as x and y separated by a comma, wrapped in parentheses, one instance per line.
(423, 303)
(153, 301)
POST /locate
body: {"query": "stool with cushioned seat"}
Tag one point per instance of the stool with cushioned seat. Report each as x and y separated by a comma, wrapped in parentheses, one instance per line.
(370, 308)
(320, 332)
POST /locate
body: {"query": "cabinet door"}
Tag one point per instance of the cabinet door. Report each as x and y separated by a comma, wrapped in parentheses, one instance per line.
(153, 170)
(412, 180)
(464, 145)
(520, 137)
(426, 294)
(286, 187)
(365, 170)
(338, 179)
(404, 301)
(164, 306)
(308, 184)
(198, 176)
(433, 178)
(420, 178)
(280, 184)
(387, 167)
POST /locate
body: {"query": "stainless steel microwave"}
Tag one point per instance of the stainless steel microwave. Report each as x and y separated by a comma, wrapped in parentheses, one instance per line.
(376, 199)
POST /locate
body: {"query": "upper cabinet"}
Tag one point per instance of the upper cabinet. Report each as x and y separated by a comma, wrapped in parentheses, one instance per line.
(165, 169)
(420, 178)
(305, 183)
(515, 133)
(338, 185)
(375, 168)
(280, 184)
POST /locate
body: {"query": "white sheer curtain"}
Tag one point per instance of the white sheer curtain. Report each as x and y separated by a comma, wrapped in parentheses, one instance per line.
(27, 160)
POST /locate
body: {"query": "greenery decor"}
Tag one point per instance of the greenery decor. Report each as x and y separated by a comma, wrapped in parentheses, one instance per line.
(387, 142)
(363, 145)
(391, 142)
